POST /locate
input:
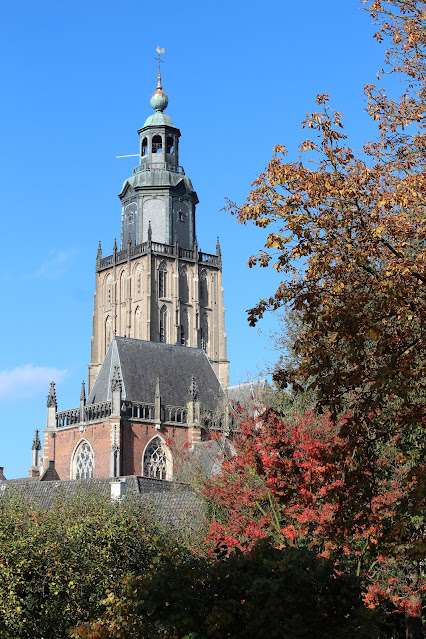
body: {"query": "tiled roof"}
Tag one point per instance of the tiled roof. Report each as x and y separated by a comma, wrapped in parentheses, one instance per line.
(171, 503)
(141, 362)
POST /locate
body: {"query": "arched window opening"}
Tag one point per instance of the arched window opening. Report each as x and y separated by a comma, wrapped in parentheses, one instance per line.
(204, 293)
(83, 462)
(108, 296)
(163, 321)
(170, 146)
(144, 147)
(122, 287)
(108, 333)
(162, 280)
(138, 323)
(183, 284)
(204, 332)
(154, 463)
(184, 332)
(157, 144)
(138, 277)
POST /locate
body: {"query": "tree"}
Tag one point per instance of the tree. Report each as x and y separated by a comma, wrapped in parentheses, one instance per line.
(348, 234)
(57, 564)
(266, 592)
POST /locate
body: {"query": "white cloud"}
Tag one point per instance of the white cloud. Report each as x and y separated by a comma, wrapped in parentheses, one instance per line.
(54, 266)
(28, 381)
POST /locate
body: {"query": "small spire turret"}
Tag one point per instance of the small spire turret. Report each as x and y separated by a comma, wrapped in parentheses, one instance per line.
(51, 398)
(83, 392)
(218, 252)
(36, 441)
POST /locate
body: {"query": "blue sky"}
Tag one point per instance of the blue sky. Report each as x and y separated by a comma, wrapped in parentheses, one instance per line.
(76, 79)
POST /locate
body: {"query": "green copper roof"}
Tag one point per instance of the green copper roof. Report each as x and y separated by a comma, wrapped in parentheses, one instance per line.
(158, 119)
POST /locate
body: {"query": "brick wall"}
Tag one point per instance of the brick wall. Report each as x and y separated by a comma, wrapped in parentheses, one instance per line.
(135, 437)
(98, 436)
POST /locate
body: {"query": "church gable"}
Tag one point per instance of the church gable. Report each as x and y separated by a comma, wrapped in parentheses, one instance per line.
(140, 363)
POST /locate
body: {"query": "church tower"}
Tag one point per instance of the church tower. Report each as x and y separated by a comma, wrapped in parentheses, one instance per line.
(158, 286)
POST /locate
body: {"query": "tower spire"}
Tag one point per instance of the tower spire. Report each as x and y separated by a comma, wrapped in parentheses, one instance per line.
(159, 51)
(159, 99)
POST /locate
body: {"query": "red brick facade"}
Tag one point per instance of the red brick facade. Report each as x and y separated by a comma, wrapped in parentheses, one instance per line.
(135, 436)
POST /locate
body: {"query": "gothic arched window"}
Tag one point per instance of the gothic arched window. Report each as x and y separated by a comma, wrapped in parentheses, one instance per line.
(204, 293)
(162, 280)
(108, 292)
(163, 323)
(157, 144)
(184, 328)
(183, 284)
(83, 462)
(108, 332)
(138, 323)
(155, 462)
(139, 281)
(122, 287)
(204, 332)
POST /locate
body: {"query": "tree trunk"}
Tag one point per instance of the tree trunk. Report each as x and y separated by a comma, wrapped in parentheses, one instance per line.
(413, 616)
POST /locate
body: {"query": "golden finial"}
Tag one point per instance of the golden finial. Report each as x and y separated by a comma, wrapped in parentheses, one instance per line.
(159, 51)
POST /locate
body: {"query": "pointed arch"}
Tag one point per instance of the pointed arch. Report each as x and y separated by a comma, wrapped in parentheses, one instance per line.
(122, 286)
(157, 460)
(138, 319)
(163, 323)
(183, 284)
(82, 461)
(138, 281)
(108, 332)
(204, 332)
(162, 280)
(108, 291)
(184, 327)
(204, 291)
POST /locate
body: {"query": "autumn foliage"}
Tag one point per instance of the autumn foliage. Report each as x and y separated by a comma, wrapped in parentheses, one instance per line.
(348, 235)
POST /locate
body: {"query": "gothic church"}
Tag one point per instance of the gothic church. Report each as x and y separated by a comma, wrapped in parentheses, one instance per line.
(158, 371)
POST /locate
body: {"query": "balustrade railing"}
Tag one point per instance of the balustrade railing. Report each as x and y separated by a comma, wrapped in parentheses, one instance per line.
(138, 410)
(143, 411)
(158, 166)
(68, 417)
(174, 415)
(95, 412)
(156, 247)
(207, 258)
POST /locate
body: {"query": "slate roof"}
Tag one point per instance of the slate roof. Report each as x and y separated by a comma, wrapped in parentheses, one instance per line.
(249, 392)
(141, 362)
(205, 460)
(171, 503)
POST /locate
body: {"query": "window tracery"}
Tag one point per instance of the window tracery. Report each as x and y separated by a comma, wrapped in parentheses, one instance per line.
(155, 460)
(204, 293)
(163, 321)
(162, 280)
(83, 462)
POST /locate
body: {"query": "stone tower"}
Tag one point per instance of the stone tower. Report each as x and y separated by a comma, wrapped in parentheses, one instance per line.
(159, 286)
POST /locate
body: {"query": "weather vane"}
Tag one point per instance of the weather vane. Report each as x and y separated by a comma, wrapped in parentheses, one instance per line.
(159, 51)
